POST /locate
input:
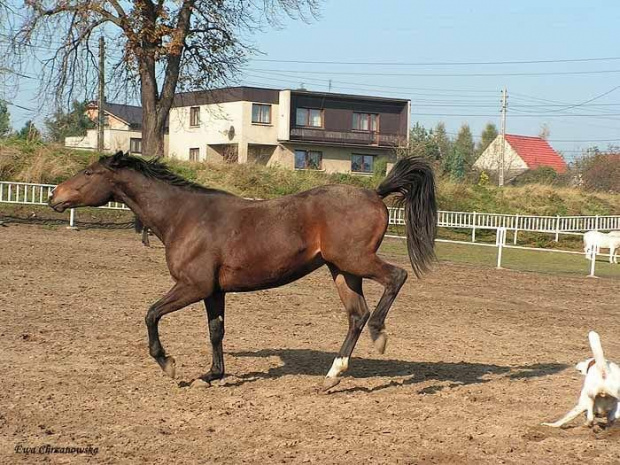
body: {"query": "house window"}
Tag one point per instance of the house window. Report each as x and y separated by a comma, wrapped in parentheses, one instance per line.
(261, 114)
(194, 116)
(365, 121)
(308, 160)
(135, 145)
(362, 163)
(194, 154)
(311, 117)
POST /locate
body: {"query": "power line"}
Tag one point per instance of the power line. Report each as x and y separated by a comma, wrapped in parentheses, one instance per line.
(358, 73)
(375, 86)
(437, 63)
(541, 115)
(18, 106)
(588, 101)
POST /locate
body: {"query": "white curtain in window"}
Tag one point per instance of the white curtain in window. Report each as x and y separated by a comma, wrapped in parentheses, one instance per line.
(315, 118)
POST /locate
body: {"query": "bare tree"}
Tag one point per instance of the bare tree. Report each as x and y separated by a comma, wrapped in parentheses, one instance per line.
(158, 47)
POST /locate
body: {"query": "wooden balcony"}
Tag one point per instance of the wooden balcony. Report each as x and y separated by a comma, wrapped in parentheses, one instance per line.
(360, 138)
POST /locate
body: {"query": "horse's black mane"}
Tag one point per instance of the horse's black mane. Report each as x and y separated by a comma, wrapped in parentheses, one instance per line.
(154, 169)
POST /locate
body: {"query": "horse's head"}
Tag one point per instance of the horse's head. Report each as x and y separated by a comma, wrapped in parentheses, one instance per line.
(91, 187)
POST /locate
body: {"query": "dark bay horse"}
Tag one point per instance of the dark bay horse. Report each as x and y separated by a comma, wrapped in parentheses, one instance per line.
(217, 242)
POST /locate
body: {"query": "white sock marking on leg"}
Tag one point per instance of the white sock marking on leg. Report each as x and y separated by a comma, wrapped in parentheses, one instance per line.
(340, 364)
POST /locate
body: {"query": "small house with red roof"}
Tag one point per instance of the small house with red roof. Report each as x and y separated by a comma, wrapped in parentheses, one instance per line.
(521, 153)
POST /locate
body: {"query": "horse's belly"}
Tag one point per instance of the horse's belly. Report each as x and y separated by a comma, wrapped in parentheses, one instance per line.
(269, 272)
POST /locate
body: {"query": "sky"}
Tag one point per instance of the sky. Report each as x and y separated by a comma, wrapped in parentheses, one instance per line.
(444, 57)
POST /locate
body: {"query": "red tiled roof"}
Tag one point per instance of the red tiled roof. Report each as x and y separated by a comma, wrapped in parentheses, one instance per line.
(536, 152)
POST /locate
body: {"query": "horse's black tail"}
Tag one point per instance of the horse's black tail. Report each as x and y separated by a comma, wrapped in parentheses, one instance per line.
(413, 180)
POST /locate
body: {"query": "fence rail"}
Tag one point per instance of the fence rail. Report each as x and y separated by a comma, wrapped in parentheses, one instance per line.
(25, 193)
(37, 194)
(531, 223)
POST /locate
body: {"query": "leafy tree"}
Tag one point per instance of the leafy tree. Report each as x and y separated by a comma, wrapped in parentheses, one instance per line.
(599, 170)
(545, 132)
(29, 132)
(489, 134)
(464, 146)
(162, 46)
(442, 140)
(72, 123)
(455, 164)
(422, 143)
(5, 120)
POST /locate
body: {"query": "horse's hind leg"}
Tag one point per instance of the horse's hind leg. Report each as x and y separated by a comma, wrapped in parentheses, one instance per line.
(350, 290)
(215, 305)
(392, 279)
(181, 295)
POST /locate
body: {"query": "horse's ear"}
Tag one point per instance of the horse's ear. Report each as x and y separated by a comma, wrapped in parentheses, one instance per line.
(116, 159)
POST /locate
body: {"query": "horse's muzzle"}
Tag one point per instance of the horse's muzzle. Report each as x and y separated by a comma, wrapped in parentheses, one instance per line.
(57, 204)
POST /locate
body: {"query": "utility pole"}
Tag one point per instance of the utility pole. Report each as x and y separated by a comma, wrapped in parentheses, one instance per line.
(502, 159)
(330, 85)
(101, 98)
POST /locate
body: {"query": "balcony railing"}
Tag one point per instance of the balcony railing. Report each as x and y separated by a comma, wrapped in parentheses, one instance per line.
(348, 137)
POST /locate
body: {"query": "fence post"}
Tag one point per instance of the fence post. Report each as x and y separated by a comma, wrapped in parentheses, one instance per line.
(593, 262)
(557, 228)
(72, 225)
(473, 231)
(514, 239)
(596, 223)
(500, 241)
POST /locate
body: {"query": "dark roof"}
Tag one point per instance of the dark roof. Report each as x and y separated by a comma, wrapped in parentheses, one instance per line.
(226, 94)
(131, 114)
(261, 94)
(536, 152)
(348, 96)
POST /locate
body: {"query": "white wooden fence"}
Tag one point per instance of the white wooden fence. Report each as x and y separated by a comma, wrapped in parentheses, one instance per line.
(556, 225)
(24, 193)
(37, 194)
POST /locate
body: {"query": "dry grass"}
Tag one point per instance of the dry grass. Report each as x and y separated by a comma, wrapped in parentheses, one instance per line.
(35, 162)
(39, 163)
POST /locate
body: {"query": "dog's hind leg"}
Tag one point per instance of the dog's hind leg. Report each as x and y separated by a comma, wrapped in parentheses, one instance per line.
(570, 416)
(613, 415)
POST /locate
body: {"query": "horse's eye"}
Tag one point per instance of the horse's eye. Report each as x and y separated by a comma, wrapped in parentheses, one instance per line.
(88, 172)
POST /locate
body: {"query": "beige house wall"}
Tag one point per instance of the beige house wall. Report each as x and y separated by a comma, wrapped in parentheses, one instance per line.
(216, 121)
(113, 121)
(335, 159)
(491, 158)
(284, 115)
(113, 140)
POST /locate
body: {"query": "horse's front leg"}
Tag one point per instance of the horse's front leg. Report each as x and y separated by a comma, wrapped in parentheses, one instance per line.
(181, 295)
(215, 305)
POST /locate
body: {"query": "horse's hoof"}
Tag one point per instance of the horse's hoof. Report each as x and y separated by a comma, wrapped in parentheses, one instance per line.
(199, 383)
(329, 383)
(211, 376)
(380, 342)
(168, 364)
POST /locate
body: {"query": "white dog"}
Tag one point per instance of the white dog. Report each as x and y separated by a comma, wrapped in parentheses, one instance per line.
(601, 388)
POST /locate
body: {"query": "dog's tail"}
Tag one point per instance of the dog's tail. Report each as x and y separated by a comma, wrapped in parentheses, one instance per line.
(597, 351)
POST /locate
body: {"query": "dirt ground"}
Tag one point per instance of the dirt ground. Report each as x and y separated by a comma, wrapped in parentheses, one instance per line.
(476, 359)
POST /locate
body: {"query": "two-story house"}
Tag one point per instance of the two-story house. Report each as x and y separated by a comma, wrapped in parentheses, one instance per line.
(296, 129)
(122, 129)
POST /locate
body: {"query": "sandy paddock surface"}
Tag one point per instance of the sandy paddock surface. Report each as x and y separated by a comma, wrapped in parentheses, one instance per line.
(476, 359)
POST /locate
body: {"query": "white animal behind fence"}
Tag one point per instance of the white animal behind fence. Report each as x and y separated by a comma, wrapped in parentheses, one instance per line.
(594, 241)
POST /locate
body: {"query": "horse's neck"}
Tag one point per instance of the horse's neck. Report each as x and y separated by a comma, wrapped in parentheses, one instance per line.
(153, 201)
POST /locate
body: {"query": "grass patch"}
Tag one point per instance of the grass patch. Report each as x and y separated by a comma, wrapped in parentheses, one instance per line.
(513, 259)
(47, 163)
